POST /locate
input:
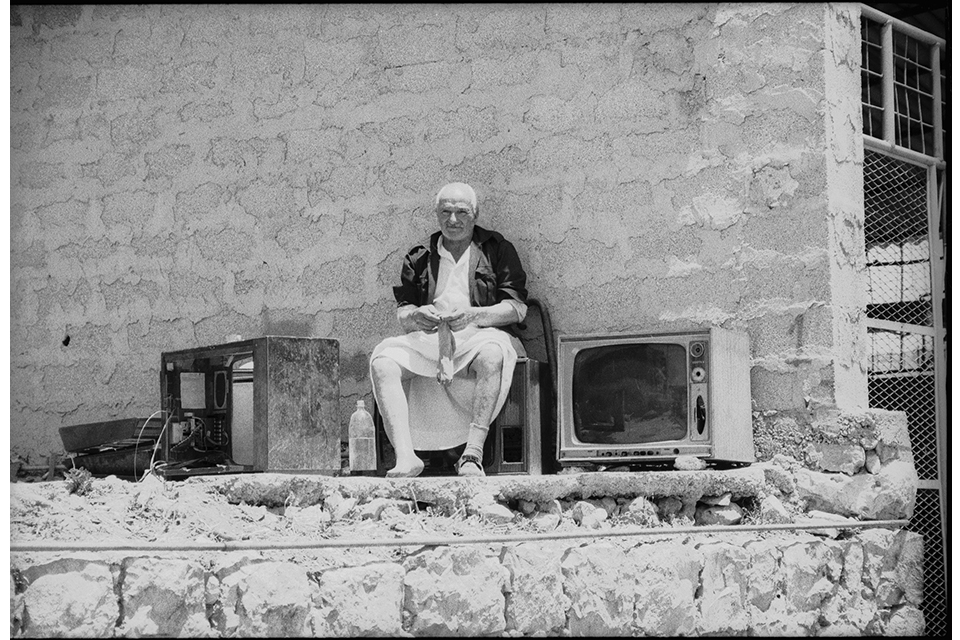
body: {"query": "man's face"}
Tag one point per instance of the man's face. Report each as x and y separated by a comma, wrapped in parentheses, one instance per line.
(456, 217)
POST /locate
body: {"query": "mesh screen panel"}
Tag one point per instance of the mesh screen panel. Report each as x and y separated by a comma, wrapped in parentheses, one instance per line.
(926, 521)
(914, 395)
(898, 250)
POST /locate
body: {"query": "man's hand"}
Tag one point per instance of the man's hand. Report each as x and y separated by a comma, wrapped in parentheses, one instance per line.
(423, 318)
(459, 320)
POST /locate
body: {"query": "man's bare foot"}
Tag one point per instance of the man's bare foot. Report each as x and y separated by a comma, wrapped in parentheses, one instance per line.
(406, 469)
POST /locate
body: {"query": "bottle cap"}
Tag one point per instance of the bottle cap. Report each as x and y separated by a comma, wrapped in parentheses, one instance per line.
(360, 404)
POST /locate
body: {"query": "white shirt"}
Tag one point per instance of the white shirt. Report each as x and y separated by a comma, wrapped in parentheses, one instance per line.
(453, 284)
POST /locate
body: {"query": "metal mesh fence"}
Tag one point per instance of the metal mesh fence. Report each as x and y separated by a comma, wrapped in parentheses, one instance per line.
(926, 521)
(901, 366)
(898, 250)
(914, 394)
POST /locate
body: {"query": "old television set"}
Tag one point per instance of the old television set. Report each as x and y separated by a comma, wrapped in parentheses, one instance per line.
(646, 399)
(263, 404)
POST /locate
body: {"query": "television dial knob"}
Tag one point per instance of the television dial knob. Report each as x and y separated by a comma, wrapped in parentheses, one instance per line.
(698, 374)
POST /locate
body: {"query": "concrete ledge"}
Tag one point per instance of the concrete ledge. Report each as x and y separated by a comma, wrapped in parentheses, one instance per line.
(274, 489)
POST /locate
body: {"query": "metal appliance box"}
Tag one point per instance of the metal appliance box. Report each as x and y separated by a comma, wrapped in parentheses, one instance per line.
(263, 404)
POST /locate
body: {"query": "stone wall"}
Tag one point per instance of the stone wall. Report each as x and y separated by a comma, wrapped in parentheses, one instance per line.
(772, 585)
(180, 174)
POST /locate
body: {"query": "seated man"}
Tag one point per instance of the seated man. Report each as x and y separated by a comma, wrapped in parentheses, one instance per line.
(460, 295)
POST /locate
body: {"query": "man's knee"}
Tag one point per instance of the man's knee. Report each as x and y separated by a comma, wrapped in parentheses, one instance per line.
(383, 369)
(489, 361)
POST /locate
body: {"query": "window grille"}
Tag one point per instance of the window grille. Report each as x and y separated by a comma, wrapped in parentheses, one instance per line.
(903, 95)
(935, 605)
(903, 90)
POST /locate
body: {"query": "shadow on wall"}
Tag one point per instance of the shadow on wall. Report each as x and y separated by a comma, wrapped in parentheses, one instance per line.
(288, 324)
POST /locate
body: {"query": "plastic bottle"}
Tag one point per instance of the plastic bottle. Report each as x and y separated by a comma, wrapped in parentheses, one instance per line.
(362, 448)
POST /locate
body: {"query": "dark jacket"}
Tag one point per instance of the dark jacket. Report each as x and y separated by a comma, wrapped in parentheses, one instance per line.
(495, 274)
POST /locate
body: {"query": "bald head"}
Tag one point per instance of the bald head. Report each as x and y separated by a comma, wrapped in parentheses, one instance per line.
(457, 191)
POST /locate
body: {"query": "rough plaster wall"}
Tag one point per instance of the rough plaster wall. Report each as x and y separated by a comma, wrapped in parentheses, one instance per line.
(183, 173)
(844, 122)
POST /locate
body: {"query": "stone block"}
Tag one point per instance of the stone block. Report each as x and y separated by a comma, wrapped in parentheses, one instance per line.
(909, 568)
(601, 597)
(893, 566)
(454, 591)
(666, 578)
(74, 604)
(888, 495)
(811, 568)
(764, 577)
(778, 622)
(535, 600)
(892, 434)
(359, 601)
(265, 599)
(905, 621)
(163, 596)
(838, 458)
(723, 607)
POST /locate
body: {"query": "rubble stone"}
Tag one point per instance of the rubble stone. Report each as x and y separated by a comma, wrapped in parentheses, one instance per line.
(872, 462)
(545, 521)
(496, 513)
(588, 515)
(772, 511)
(642, 512)
(669, 507)
(720, 515)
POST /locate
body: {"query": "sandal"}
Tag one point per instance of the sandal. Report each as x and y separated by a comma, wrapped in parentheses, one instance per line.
(469, 465)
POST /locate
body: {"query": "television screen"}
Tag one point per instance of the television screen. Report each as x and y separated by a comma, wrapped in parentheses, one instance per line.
(630, 393)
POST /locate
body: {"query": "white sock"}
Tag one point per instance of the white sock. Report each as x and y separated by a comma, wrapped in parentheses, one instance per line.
(476, 436)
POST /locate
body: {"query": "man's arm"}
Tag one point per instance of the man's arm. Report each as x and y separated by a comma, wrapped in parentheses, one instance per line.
(498, 315)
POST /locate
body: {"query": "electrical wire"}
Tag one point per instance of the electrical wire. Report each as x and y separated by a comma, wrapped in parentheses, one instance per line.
(136, 444)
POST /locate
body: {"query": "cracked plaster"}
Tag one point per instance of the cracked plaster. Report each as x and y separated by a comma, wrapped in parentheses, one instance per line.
(210, 170)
